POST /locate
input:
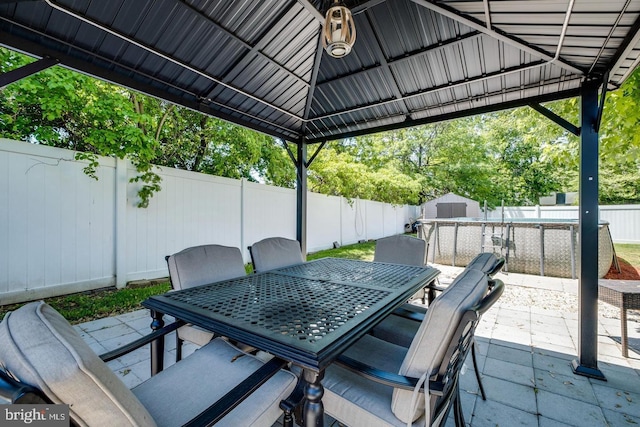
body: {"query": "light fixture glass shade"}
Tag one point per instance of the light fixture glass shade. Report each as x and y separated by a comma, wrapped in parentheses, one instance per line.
(339, 33)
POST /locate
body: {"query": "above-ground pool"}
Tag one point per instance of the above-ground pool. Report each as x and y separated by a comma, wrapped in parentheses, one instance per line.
(546, 247)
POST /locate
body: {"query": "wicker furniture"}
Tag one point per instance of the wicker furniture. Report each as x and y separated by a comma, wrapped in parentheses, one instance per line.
(624, 294)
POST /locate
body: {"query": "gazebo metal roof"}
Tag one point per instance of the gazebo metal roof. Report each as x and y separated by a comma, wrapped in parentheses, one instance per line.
(261, 64)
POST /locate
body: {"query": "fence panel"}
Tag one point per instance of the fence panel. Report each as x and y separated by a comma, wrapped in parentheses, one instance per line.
(62, 232)
(323, 221)
(267, 211)
(624, 220)
(192, 209)
(374, 219)
(56, 224)
(353, 223)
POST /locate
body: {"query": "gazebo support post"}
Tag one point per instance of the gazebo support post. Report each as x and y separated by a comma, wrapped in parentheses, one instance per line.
(301, 196)
(587, 362)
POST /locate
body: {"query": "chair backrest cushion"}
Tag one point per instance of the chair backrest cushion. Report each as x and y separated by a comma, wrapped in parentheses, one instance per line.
(486, 262)
(40, 348)
(401, 249)
(435, 333)
(275, 252)
(201, 265)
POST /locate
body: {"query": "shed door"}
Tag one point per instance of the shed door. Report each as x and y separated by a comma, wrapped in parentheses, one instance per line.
(451, 210)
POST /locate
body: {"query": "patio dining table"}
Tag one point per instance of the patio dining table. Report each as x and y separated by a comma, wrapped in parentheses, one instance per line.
(307, 314)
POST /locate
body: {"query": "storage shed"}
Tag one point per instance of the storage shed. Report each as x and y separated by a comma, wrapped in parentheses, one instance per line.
(451, 206)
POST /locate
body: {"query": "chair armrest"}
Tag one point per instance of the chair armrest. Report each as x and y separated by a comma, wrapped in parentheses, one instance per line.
(377, 375)
(407, 313)
(128, 348)
(234, 397)
(435, 287)
(12, 391)
(497, 288)
(293, 401)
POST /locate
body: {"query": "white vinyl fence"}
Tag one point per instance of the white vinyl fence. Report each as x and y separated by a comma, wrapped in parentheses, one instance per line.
(624, 220)
(63, 232)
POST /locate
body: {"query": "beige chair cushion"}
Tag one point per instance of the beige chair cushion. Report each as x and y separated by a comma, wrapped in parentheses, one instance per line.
(275, 252)
(42, 349)
(356, 401)
(195, 334)
(207, 375)
(201, 265)
(434, 335)
(401, 249)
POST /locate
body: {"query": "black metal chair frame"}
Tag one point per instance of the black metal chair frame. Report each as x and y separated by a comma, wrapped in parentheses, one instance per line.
(444, 383)
(179, 341)
(412, 315)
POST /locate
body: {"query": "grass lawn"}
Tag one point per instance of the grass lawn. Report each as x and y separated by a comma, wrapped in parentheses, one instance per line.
(85, 306)
(629, 253)
(90, 305)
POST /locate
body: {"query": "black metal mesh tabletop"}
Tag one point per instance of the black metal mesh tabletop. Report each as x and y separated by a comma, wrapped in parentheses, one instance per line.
(301, 313)
(364, 273)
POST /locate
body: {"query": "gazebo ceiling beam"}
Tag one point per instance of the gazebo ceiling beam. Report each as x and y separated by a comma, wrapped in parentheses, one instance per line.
(313, 84)
(170, 58)
(406, 57)
(487, 14)
(570, 127)
(445, 86)
(312, 10)
(26, 71)
(504, 37)
(571, 93)
(605, 42)
(630, 42)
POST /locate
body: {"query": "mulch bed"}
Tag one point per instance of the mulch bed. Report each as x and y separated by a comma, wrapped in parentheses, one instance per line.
(627, 271)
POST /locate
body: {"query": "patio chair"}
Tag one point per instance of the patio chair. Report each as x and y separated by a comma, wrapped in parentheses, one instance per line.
(275, 252)
(401, 327)
(200, 265)
(383, 384)
(43, 359)
(402, 249)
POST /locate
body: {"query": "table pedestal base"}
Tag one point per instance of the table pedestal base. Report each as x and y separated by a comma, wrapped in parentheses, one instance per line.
(313, 391)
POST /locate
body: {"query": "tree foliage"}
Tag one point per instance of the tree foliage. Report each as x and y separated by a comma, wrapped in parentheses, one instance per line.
(64, 109)
(514, 156)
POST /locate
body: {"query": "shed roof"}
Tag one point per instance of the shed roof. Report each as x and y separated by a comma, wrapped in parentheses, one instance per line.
(449, 197)
(261, 64)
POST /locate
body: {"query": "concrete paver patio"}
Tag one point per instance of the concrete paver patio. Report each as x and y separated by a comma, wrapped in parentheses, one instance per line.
(525, 350)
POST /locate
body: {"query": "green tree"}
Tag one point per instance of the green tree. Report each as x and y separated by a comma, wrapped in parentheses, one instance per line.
(192, 141)
(64, 109)
(448, 157)
(619, 144)
(336, 172)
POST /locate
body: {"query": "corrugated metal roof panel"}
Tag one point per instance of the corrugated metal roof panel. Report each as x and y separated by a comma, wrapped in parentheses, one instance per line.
(255, 62)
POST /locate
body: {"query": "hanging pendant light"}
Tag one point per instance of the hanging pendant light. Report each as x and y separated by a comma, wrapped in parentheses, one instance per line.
(339, 33)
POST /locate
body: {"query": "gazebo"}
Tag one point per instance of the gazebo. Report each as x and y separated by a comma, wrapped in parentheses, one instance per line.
(264, 65)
